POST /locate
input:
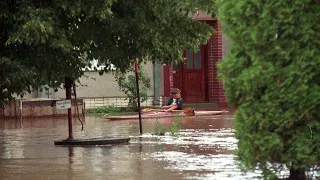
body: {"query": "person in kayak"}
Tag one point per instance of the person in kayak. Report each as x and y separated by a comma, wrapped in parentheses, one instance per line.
(175, 102)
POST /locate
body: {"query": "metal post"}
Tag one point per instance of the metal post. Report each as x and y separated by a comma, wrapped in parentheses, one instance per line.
(156, 100)
(84, 111)
(68, 85)
(138, 95)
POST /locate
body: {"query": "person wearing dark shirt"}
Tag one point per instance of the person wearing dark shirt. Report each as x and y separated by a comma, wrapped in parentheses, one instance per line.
(175, 102)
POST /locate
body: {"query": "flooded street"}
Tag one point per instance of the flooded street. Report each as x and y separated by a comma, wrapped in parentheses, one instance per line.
(203, 150)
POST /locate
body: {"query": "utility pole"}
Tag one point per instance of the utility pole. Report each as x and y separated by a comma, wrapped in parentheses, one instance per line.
(138, 94)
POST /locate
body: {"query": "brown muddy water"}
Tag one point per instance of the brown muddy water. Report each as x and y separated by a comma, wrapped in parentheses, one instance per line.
(203, 150)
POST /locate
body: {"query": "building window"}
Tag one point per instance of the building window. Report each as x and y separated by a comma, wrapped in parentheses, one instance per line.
(193, 60)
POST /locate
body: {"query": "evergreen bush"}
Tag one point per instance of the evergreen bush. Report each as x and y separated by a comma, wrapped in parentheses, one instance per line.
(272, 76)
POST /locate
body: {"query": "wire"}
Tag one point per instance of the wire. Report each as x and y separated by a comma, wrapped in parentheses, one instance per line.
(75, 98)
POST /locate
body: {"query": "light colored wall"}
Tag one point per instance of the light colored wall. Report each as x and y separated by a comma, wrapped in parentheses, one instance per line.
(226, 46)
(29, 95)
(93, 85)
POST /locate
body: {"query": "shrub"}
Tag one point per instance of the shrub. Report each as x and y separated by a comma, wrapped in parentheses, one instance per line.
(127, 84)
(272, 76)
(106, 109)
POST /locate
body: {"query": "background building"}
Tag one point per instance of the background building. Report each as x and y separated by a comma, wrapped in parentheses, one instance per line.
(196, 77)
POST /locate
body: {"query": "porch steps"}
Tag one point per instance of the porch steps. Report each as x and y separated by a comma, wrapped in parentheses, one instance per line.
(202, 106)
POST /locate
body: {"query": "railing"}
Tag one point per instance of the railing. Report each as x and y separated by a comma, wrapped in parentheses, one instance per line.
(117, 101)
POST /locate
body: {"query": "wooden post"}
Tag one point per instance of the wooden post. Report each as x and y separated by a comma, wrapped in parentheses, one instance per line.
(68, 85)
(156, 100)
(138, 95)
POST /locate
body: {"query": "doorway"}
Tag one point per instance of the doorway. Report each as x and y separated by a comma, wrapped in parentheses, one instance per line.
(189, 76)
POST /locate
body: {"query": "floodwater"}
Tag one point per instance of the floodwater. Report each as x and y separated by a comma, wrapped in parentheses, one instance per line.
(203, 150)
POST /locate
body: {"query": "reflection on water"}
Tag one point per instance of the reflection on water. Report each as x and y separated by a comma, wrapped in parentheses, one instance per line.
(203, 150)
(203, 155)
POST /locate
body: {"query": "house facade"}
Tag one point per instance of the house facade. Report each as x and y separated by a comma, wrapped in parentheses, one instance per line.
(196, 77)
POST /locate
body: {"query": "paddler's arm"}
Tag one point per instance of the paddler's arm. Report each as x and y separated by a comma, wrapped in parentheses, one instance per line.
(172, 107)
(165, 107)
(167, 104)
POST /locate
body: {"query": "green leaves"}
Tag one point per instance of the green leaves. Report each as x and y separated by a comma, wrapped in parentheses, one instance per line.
(127, 84)
(272, 76)
(33, 26)
(45, 40)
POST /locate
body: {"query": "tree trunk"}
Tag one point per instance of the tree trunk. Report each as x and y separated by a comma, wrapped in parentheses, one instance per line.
(132, 106)
(297, 174)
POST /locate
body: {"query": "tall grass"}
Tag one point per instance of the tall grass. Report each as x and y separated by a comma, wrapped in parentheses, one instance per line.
(174, 127)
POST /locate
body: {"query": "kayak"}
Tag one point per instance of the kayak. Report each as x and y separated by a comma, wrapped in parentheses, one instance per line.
(154, 115)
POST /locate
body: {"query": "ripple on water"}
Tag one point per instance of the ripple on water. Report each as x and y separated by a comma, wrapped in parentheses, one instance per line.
(213, 159)
(217, 162)
(213, 139)
(221, 166)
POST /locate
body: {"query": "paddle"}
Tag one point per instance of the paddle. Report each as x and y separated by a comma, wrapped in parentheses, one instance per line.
(150, 110)
(187, 111)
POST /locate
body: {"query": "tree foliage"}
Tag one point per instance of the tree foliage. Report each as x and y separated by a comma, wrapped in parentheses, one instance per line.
(41, 40)
(272, 76)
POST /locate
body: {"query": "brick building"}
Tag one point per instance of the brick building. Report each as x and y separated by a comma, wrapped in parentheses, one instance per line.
(197, 76)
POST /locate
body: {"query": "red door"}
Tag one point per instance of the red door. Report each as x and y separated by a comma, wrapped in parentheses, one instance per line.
(189, 76)
(193, 76)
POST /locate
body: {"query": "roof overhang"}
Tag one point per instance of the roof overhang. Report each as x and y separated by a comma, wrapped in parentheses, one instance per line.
(204, 19)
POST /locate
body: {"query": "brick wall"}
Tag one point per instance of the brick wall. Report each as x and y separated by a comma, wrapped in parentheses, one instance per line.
(216, 92)
(171, 77)
(215, 88)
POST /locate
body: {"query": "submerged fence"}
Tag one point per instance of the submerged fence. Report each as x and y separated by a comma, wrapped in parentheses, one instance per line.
(42, 107)
(38, 108)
